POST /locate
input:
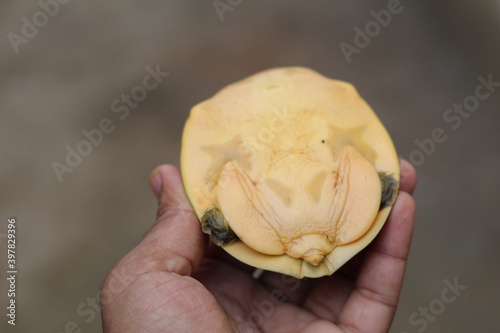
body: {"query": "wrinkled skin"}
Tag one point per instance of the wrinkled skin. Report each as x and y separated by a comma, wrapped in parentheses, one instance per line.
(174, 281)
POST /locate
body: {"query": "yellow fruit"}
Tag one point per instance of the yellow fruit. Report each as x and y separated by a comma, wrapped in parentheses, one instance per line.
(289, 171)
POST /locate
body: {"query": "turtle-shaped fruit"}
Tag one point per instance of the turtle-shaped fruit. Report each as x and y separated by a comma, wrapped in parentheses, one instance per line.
(289, 171)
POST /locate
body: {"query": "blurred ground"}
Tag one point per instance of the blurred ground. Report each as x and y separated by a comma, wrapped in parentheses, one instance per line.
(64, 79)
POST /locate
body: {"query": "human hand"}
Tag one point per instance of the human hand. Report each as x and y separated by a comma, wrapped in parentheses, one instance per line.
(174, 280)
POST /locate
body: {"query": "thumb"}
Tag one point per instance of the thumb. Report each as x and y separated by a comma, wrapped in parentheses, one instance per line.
(175, 242)
(166, 183)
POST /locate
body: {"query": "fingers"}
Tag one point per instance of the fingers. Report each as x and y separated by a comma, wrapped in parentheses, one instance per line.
(175, 243)
(373, 301)
(408, 177)
(395, 237)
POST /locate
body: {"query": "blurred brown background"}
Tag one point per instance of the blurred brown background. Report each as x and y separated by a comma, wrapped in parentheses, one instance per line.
(65, 76)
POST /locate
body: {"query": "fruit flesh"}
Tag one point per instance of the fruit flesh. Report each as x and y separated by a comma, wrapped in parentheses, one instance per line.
(291, 160)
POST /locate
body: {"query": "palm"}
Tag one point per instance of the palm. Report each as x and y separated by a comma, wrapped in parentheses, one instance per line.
(171, 283)
(272, 303)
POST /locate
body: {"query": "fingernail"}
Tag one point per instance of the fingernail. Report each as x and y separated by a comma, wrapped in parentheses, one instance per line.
(155, 182)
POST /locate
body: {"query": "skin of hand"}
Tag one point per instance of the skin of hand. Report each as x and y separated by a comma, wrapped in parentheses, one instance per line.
(175, 280)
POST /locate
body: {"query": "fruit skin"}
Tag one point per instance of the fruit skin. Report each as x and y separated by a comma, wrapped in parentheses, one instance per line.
(271, 138)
